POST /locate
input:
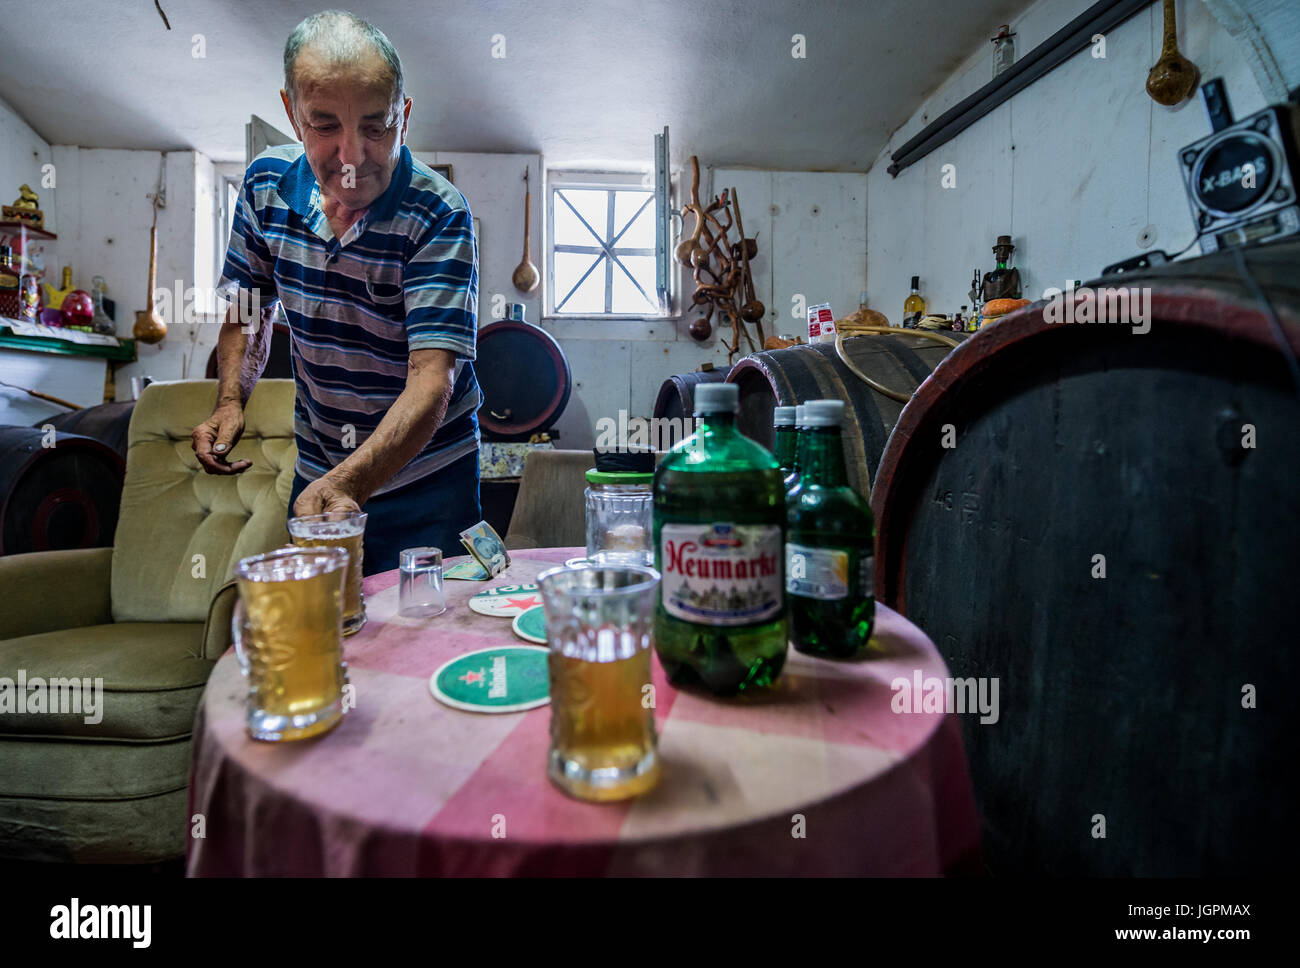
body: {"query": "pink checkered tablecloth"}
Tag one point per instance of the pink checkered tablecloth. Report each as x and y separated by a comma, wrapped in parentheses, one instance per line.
(818, 776)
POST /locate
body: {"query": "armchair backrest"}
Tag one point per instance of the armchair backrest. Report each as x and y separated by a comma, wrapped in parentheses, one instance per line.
(181, 530)
(551, 509)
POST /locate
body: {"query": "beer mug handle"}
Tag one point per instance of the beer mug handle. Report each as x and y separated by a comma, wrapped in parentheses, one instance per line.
(238, 627)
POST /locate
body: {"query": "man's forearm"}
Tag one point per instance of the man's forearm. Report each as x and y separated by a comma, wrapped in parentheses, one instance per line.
(410, 423)
(241, 356)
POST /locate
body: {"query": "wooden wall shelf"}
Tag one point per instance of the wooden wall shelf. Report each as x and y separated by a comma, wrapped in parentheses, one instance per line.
(125, 353)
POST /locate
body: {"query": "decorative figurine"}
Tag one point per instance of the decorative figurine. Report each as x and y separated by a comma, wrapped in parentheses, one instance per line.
(24, 209)
(1002, 283)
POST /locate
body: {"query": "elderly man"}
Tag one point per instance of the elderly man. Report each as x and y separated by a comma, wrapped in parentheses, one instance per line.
(372, 256)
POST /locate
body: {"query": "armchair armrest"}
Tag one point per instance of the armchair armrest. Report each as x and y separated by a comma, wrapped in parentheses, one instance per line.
(216, 631)
(45, 591)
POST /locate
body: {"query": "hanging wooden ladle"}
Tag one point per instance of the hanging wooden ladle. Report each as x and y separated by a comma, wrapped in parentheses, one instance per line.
(149, 326)
(525, 276)
(1173, 78)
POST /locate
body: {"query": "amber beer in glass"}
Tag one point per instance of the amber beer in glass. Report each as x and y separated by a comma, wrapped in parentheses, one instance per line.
(287, 629)
(338, 529)
(598, 628)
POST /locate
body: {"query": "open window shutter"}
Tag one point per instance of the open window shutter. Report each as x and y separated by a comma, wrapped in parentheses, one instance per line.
(260, 135)
(663, 222)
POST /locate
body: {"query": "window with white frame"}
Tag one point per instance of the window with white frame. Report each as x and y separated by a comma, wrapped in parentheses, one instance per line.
(601, 252)
(228, 187)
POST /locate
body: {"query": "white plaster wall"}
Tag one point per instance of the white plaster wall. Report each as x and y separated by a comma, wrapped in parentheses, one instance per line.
(22, 153)
(810, 230)
(1073, 167)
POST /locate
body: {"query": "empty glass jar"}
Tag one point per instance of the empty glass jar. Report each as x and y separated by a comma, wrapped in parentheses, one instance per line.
(620, 507)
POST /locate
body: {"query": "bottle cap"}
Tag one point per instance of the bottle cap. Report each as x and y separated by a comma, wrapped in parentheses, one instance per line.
(916, 282)
(626, 478)
(630, 460)
(799, 415)
(783, 417)
(717, 398)
(823, 413)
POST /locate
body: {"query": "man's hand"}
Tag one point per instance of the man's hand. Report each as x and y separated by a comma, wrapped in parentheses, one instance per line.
(215, 438)
(323, 495)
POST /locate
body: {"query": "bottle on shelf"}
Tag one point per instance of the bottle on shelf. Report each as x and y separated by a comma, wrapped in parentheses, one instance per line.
(959, 321)
(9, 283)
(914, 305)
(101, 321)
(719, 517)
(830, 545)
(29, 299)
(54, 297)
(1004, 50)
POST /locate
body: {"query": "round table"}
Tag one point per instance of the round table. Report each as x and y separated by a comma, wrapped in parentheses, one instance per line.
(819, 775)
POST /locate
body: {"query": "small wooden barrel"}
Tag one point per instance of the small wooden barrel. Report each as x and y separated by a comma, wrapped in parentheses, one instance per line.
(108, 423)
(797, 374)
(59, 497)
(677, 395)
(525, 379)
(1109, 529)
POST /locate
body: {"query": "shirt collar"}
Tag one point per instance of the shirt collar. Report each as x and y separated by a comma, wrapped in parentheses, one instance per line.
(385, 206)
(297, 186)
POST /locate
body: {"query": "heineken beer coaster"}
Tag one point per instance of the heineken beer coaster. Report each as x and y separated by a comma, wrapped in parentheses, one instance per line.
(506, 601)
(531, 625)
(508, 679)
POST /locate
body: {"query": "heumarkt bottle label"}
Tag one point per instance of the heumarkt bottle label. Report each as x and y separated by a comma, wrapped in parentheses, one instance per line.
(821, 573)
(722, 574)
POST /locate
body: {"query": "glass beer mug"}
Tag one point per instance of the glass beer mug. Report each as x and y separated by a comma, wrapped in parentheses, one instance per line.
(338, 529)
(287, 629)
(598, 628)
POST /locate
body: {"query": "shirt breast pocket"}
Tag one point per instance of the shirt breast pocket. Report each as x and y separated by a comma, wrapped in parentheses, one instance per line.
(385, 293)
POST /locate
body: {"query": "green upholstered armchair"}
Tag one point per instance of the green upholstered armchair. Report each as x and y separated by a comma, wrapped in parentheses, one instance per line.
(148, 617)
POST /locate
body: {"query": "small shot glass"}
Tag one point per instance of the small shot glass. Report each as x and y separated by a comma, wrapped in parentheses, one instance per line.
(420, 590)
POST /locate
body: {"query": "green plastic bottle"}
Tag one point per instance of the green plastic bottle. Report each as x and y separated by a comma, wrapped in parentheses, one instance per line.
(786, 440)
(719, 515)
(792, 478)
(830, 544)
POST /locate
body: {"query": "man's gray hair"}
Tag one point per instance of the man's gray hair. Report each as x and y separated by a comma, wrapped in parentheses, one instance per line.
(341, 39)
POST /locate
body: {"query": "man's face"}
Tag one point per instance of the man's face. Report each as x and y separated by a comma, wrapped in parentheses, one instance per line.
(352, 135)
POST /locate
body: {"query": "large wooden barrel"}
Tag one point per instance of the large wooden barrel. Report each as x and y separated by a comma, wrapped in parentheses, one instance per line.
(898, 362)
(1108, 523)
(677, 395)
(525, 379)
(108, 423)
(59, 497)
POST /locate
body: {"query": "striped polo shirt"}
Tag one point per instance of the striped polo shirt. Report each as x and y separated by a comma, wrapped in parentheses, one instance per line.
(403, 277)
